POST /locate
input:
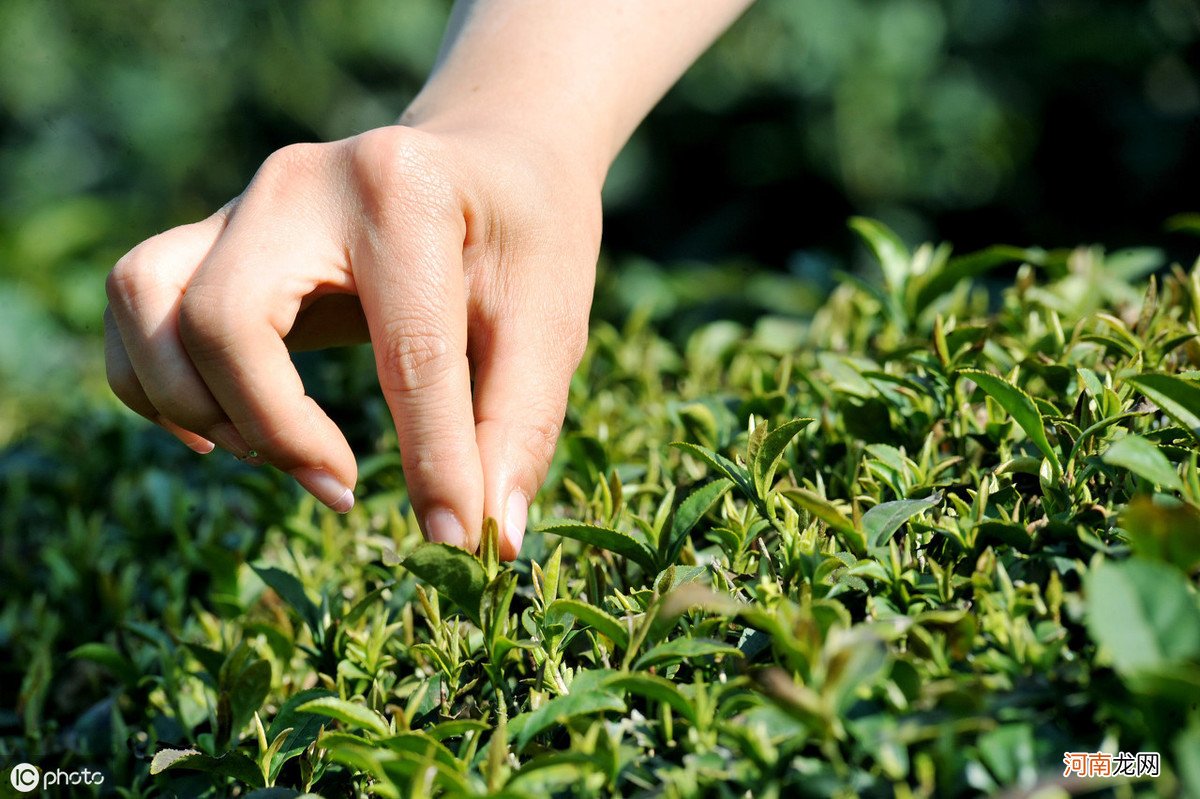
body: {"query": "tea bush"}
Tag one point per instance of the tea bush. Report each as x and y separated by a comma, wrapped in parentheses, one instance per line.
(921, 544)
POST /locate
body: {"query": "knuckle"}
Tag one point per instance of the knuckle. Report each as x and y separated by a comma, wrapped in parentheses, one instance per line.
(287, 160)
(399, 167)
(426, 465)
(414, 359)
(127, 277)
(276, 180)
(540, 439)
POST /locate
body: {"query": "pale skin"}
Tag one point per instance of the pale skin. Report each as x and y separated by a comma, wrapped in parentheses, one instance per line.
(461, 242)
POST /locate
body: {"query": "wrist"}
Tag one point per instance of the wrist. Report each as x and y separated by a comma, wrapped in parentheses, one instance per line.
(581, 154)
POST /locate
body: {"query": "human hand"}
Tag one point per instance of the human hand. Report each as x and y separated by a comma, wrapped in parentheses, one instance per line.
(471, 254)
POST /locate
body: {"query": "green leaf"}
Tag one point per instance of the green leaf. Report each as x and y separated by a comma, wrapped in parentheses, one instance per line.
(349, 713)
(1143, 613)
(362, 606)
(1187, 756)
(495, 602)
(679, 649)
(1185, 223)
(892, 254)
(656, 688)
(1020, 406)
(882, 521)
(247, 691)
(967, 266)
(1009, 752)
(305, 727)
(455, 574)
(562, 709)
(605, 538)
(723, 465)
(590, 616)
(108, 657)
(422, 745)
(690, 511)
(291, 591)
(231, 764)
(768, 453)
(827, 512)
(455, 728)
(1163, 529)
(1143, 459)
(854, 660)
(1178, 397)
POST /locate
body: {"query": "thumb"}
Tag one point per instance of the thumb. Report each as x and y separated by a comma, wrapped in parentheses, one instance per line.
(522, 379)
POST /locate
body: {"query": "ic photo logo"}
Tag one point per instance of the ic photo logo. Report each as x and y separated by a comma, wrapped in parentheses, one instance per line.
(25, 778)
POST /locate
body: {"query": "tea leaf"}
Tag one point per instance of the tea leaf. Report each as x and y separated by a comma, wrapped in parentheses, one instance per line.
(292, 592)
(771, 450)
(1167, 531)
(1143, 459)
(562, 709)
(248, 690)
(1144, 614)
(723, 465)
(305, 727)
(349, 713)
(456, 575)
(605, 538)
(654, 687)
(231, 764)
(689, 512)
(825, 510)
(1020, 407)
(882, 521)
(684, 649)
(889, 250)
(1178, 397)
(591, 616)
(108, 657)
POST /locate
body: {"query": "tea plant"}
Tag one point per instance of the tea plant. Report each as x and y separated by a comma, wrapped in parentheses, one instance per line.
(922, 544)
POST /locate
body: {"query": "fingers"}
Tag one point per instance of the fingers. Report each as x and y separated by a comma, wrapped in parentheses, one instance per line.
(523, 372)
(417, 320)
(127, 387)
(152, 369)
(233, 318)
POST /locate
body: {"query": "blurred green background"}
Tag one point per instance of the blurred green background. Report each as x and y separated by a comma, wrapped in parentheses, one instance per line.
(977, 121)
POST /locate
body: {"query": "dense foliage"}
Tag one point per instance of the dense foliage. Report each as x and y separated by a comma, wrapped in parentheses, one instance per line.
(919, 545)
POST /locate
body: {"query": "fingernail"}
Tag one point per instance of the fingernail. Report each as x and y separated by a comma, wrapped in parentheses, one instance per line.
(515, 516)
(195, 443)
(443, 527)
(325, 487)
(200, 446)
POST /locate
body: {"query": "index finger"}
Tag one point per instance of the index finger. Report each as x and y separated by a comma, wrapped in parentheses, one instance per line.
(233, 320)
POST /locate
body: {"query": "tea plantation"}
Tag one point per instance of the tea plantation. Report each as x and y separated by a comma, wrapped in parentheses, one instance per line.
(923, 543)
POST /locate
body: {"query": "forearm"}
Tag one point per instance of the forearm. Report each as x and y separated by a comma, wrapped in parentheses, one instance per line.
(577, 75)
